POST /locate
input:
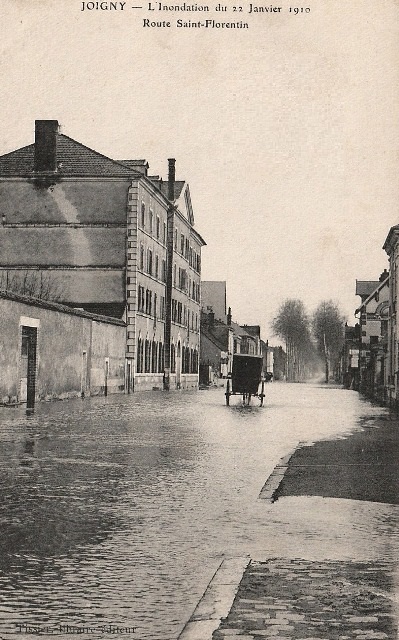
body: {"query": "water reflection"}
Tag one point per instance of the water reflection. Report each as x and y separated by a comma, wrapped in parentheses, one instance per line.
(118, 510)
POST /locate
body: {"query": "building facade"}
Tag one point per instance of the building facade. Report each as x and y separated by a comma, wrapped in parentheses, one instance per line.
(104, 236)
(373, 360)
(391, 246)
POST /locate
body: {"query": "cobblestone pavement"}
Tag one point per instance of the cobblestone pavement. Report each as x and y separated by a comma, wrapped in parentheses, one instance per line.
(306, 600)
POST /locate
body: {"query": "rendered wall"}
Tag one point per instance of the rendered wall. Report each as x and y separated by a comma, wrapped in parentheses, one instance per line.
(62, 339)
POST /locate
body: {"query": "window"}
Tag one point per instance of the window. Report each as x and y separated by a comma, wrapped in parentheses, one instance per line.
(179, 312)
(148, 301)
(158, 228)
(141, 298)
(140, 354)
(162, 308)
(156, 267)
(150, 220)
(142, 215)
(147, 356)
(174, 275)
(182, 244)
(194, 361)
(141, 258)
(164, 233)
(160, 358)
(172, 359)
(154, 358)
(182, 279)
(174, 311)
(149, 262)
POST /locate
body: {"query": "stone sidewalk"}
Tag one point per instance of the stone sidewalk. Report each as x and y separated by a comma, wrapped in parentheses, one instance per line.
(294, 599)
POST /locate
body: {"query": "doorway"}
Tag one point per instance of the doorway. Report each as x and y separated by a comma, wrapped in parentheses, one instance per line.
(28, 366)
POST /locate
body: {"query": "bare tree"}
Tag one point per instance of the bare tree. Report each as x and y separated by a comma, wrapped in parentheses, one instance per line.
(328, 328)
(36, 283)
(292, 324)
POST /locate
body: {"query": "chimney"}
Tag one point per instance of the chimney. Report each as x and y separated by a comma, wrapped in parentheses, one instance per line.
(211, 319)
(46, 132)
(229, 317)
(171, 179)
(384, 275)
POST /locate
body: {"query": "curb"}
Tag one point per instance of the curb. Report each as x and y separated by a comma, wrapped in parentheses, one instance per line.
(272, 484)
(216, 601)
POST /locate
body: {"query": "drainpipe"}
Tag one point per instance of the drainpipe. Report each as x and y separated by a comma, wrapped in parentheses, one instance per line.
(169, 272)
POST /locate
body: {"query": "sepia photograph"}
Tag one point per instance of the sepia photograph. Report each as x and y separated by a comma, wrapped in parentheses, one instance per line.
(199, 340)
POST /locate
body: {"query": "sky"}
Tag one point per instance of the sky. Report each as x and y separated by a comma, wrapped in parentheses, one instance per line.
(287, 132)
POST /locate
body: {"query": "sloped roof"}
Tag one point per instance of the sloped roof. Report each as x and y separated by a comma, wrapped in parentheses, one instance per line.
(239, 330)
(73, 158)
(164, 186)
(391, 239)
(136, 165)
(217, 335)
(62, 308)
(366, 287)
(377, 289)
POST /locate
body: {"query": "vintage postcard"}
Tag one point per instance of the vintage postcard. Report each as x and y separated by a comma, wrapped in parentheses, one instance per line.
(199, 387)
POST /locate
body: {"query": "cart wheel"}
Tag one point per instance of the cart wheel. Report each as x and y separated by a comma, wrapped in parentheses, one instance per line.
(227, 394)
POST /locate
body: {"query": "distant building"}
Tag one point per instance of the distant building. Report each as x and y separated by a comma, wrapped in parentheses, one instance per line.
(350, 357)
(112, 240)
(391, 246)
(250, 340)
(217, 346)
(373, 339)
(214, 298)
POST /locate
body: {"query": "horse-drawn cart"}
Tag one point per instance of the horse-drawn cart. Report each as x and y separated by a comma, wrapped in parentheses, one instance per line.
(246, 378)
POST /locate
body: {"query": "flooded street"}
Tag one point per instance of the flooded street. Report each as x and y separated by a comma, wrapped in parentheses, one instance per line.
(119, 510)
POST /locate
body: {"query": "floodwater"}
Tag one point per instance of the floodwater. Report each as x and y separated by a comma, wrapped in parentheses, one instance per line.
(118, 511)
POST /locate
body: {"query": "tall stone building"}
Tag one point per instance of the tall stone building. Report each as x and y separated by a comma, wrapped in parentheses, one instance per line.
(104, 236)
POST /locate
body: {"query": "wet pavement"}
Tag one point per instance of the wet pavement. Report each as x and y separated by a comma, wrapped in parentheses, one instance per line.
(118, 511)
(364, 466)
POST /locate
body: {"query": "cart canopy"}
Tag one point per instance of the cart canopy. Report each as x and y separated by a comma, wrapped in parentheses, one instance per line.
(247, 373)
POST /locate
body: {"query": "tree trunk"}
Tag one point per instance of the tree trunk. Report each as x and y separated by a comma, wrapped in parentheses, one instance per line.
(326, 358)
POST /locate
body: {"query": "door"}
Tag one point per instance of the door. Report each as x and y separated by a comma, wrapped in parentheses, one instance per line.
(106, 376)
(28, 366)
(83, 384)
(178, 366)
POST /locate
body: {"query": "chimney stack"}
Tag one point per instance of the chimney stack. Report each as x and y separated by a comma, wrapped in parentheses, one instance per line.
(45, 159)
(229, 317)
(171, 179)
(384, 275)
(211, 320)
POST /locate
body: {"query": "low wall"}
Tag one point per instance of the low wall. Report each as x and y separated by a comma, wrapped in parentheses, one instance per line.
(77, 353)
